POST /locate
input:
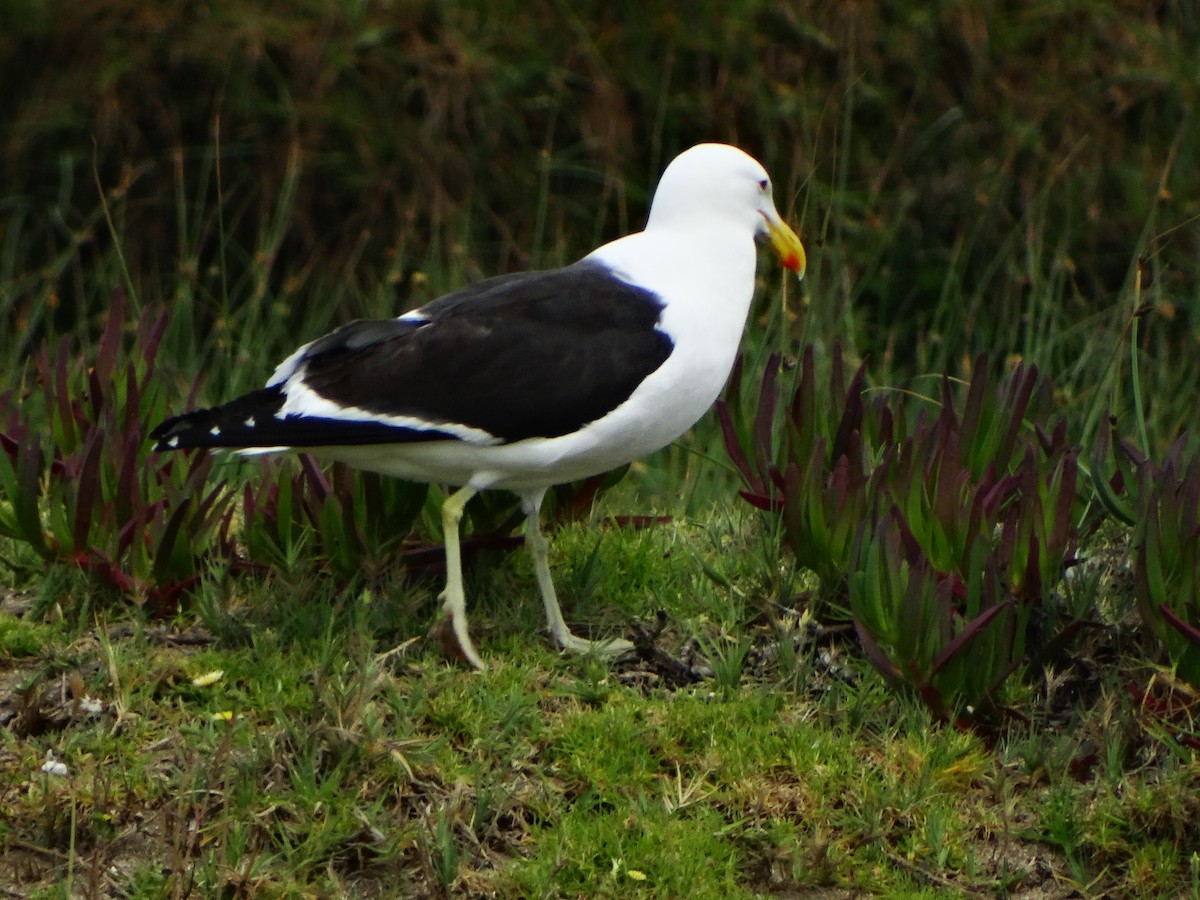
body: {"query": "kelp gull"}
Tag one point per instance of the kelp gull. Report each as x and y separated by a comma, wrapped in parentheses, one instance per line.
(533, 379)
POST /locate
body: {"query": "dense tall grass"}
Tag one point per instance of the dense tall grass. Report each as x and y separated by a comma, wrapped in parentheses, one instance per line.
(976, 177)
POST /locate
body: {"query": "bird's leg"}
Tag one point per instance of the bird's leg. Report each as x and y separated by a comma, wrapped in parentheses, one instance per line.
(538, 549)
(454, 599)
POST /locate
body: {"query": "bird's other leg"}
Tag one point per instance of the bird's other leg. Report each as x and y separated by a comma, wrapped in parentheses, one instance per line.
(531, 504)
(454, 599)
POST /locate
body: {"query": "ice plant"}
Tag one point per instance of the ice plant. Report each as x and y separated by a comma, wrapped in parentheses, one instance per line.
(954, 639)
(814, 469)
(75, 484)
(944, 529)
(354, 522)
(1166, 549)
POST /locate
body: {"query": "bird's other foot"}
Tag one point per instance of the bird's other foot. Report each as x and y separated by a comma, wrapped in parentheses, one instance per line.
(451, 633)
(607, 649)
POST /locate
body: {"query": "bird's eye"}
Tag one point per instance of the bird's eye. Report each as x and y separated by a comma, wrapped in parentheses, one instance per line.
(763, 184)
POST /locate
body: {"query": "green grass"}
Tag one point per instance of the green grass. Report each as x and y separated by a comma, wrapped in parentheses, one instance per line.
(967, 178)
(317, 760)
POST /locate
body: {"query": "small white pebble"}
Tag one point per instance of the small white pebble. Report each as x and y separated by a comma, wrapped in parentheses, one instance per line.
(53, 767)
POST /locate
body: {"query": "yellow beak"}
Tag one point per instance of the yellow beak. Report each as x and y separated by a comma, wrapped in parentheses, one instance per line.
(786, 244)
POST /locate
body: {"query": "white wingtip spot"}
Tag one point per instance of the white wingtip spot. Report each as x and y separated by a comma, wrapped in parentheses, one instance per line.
(215, 431)
(173, 442)
(250, 422)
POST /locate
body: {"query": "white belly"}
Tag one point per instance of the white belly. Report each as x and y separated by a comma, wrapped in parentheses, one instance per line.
(662, 408)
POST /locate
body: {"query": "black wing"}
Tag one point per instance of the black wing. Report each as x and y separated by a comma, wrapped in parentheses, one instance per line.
(538, 354)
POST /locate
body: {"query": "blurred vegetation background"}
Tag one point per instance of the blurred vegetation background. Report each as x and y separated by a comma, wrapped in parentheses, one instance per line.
(968, 176)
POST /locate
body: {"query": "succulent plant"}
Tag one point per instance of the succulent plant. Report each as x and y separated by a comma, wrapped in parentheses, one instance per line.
(75, 485)
(945, 528)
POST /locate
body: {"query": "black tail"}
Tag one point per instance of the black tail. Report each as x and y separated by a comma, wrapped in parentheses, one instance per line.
(245, 422)
(252, 421)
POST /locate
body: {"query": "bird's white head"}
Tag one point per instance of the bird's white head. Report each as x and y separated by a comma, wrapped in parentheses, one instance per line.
(720, 180)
